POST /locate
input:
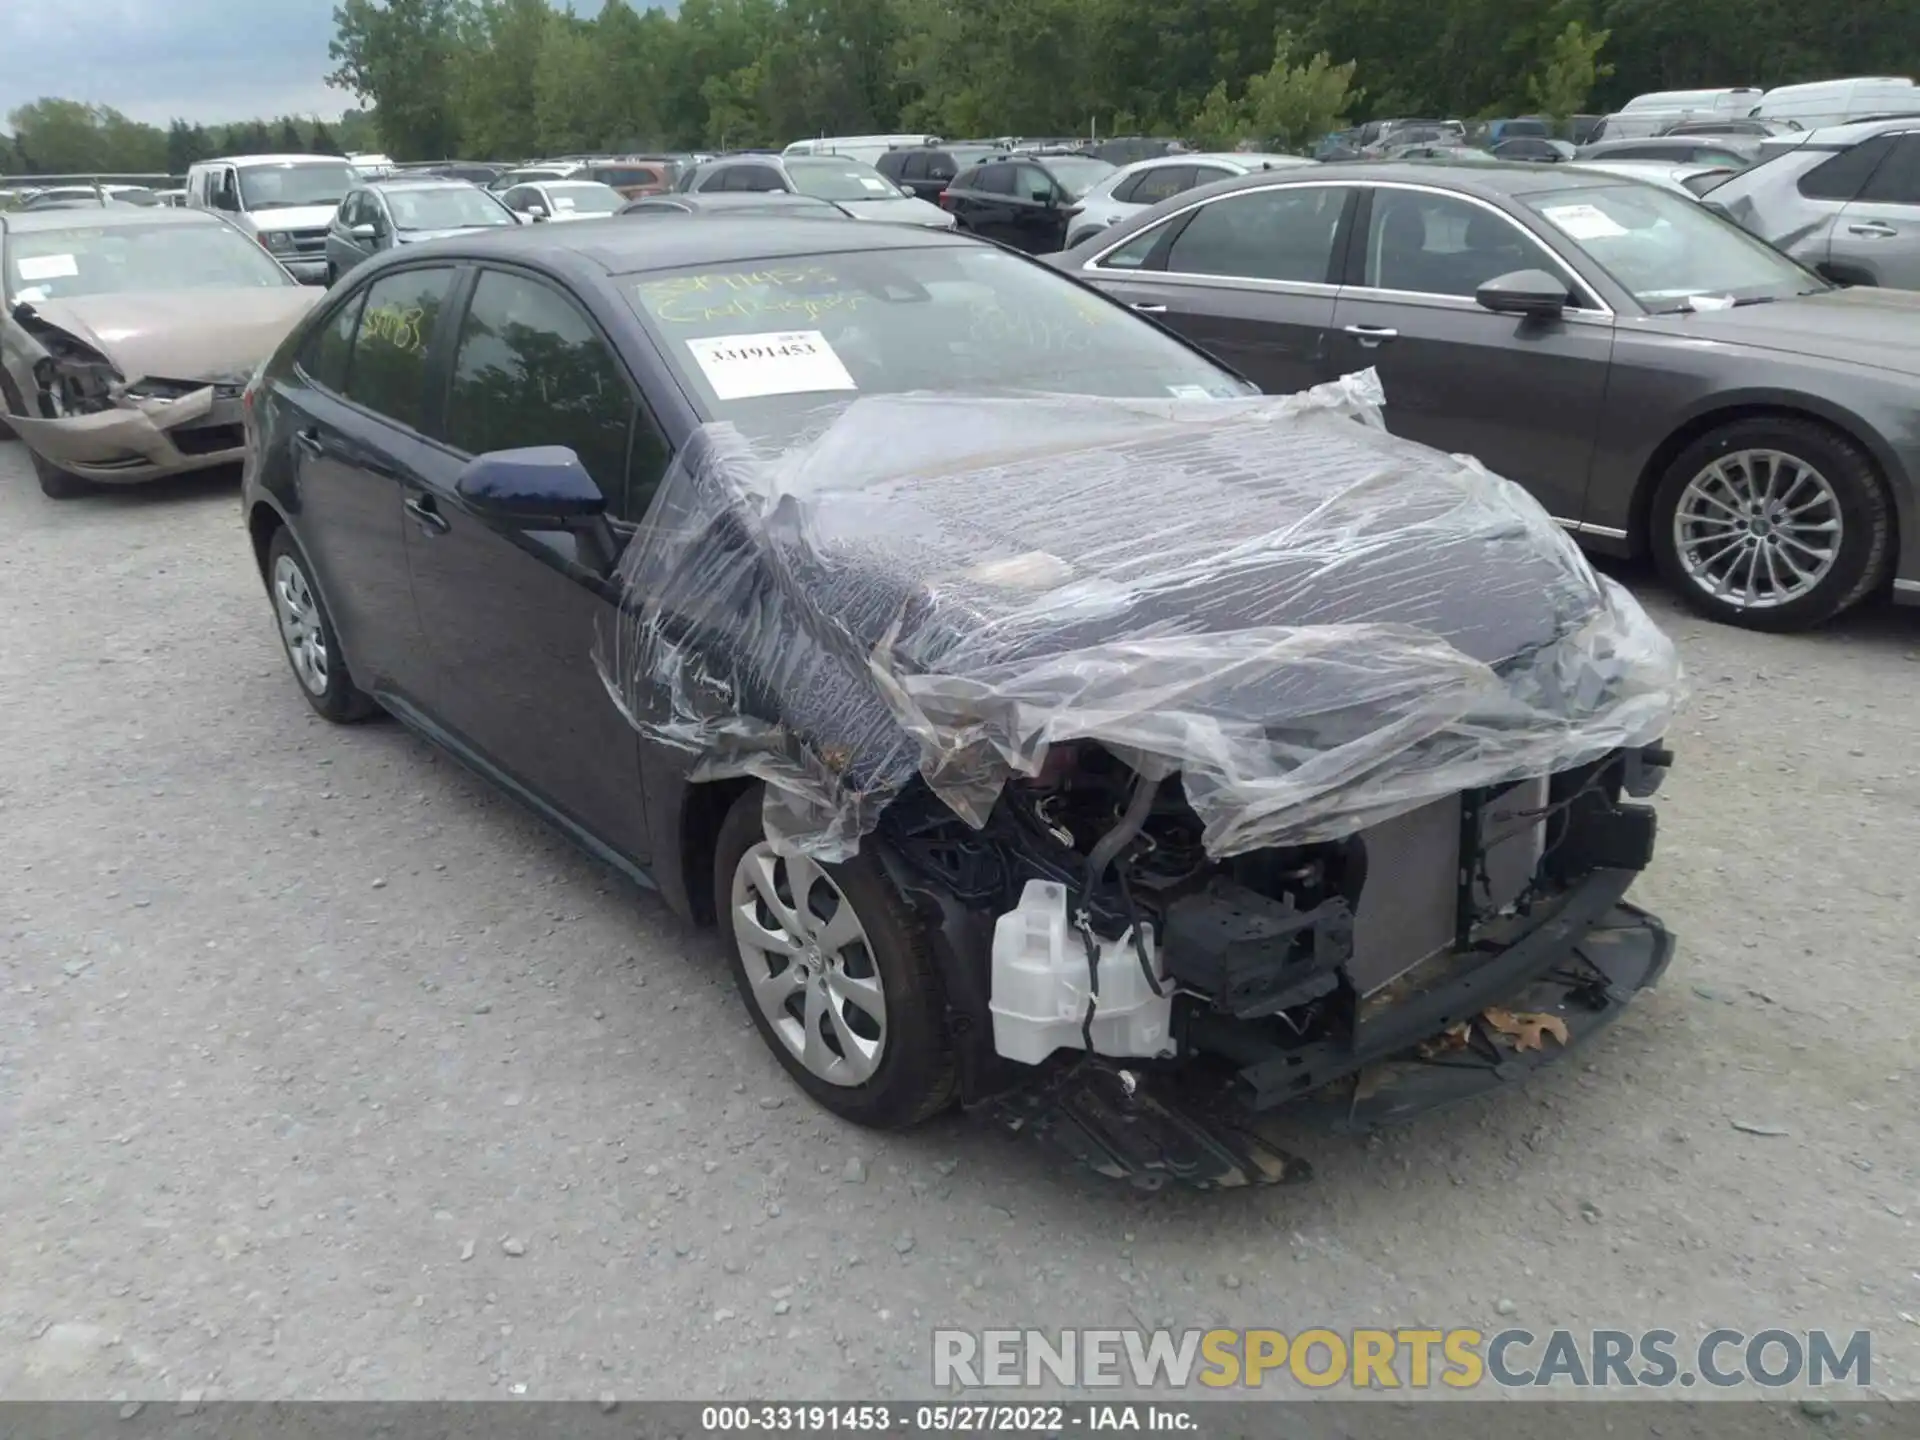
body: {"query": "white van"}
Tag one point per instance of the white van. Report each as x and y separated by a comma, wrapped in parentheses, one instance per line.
(284, 201)
(1840, 102)
(1723, 101)
(858, 147)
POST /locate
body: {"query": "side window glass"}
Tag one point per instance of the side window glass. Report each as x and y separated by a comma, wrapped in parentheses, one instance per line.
(1129, 187)
(389, 367)
(912, 167)
(1845, 175)
(530, 370)
(1438, 245)
(1033, 183)
(1282, 234)
(1158, 184)
(1206, 175)
(327, 350)
(1133, 255)
(1897, 181)
(996, 180)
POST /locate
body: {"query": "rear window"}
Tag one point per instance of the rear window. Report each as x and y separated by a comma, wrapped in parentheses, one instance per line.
(765, 345)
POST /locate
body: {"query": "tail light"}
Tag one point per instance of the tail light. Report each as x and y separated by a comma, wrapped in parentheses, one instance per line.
(946, 200)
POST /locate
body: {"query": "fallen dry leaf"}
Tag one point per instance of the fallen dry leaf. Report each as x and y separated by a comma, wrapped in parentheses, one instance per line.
(1526, 1029)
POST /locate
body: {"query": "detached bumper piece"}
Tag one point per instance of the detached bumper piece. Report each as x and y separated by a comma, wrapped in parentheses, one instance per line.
(1128, 1125)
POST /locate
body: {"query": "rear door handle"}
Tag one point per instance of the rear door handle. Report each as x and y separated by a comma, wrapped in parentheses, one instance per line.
(1371, 335)
(422, 509)
(1147, 307)
(1873, 230)
(309, 441)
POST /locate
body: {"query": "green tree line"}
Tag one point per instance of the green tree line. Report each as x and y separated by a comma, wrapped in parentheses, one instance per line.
(511, 79)
(65, 137)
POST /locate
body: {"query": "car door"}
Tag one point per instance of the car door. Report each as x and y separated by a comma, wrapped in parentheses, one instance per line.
(1523, 395)
(510, 616)
(1878, 233)
(356, 441)
(1248, 276)
(986, 206)
(1037, 215)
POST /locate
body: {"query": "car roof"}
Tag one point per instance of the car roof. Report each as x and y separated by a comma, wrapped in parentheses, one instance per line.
(617, 246)
(1854, 132)
(21, 222)
(1499, 178)
(296, 159)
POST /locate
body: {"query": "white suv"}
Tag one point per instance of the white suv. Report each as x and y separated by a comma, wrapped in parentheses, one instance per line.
(284, 201)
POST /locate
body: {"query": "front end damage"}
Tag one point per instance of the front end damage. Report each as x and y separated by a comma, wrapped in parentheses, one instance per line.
(107, 412)
(1236, 755)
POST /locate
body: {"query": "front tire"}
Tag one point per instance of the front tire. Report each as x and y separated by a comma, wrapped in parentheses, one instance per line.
(836, 973)
(58, 484)
(1773, 523)
(307, 636)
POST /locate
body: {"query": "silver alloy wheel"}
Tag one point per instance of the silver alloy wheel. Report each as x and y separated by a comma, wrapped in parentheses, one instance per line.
(810, 965)
(1758, 529)
(300, 625)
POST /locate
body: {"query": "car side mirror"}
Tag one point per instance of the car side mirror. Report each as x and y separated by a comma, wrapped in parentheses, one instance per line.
(1043, 195)
(536, 213)
(1524, 292)
(365, 230)
(541, 487)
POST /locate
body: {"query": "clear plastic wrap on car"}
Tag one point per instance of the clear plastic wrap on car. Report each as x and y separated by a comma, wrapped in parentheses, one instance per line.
(1316, 624)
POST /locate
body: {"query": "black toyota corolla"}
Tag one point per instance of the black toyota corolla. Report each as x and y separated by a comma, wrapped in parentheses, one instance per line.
(1054, 724)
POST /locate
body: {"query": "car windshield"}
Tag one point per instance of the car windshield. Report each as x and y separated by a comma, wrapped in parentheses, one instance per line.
(1077, 174)
(1669, 251)
(278, 187)
(444, 208)
(841, 180)
(118, 259)
(766, 344)
(585, 197)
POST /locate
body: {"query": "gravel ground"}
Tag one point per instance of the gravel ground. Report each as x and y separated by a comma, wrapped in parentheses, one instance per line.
(326, 1071)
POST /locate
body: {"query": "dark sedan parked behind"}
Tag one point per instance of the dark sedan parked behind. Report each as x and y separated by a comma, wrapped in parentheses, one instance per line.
(1658, 379)
(927, 170)
(1023, 201)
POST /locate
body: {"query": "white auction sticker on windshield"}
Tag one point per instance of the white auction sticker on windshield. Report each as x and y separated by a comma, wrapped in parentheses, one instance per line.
(1584, 222)
(46, 267)
(791, 362)
(878, 186)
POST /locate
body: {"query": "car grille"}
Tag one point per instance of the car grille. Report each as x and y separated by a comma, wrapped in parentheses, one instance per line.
(208, 439)
(309, 243)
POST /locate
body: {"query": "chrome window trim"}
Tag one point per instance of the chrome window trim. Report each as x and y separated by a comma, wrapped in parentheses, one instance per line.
(1092, 265)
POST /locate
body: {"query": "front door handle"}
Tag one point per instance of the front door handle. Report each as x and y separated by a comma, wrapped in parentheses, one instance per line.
(1873, 230)
(308, 441)
(1147, 307)
(1372, 335)
(423, 510)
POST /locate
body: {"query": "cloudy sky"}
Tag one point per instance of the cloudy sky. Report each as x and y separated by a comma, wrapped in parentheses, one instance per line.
(205, 60)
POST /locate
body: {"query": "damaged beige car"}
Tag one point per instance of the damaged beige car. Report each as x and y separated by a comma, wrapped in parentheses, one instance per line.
(128, 337)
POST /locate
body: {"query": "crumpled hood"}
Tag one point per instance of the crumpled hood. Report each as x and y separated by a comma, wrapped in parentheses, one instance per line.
(211, 335)
(1864, 326)
(901, 211)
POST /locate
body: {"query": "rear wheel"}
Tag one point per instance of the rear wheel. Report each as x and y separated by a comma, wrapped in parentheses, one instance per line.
(1772, 523)
(836, 975)
(306, 632)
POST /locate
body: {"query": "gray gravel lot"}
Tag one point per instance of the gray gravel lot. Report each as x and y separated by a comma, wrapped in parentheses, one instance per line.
(326, 1071)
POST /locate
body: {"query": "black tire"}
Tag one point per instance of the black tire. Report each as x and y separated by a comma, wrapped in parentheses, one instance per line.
(9, 405)
(1865, 513)
(917, 1076)
(58, 484)
(333, 275)
(341, 701)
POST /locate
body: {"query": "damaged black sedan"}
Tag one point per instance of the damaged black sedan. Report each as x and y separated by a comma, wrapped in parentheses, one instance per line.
(1052, 724)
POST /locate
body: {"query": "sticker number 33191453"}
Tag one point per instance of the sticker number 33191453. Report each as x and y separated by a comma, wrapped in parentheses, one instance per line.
(792, 362)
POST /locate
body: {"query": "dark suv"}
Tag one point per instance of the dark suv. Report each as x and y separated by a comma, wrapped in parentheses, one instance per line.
(928, 170)
(1025, 201)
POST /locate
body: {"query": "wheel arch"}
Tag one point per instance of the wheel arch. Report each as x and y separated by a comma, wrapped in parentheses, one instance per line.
(1732, 409)
(263, 523)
